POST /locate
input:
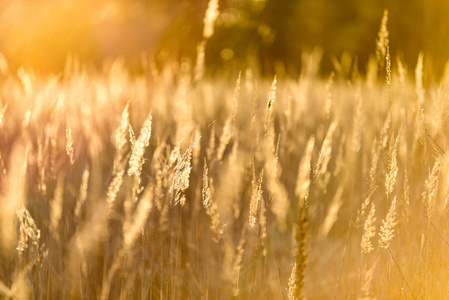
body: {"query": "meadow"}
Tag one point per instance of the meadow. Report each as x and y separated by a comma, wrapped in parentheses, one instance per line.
(170, 184)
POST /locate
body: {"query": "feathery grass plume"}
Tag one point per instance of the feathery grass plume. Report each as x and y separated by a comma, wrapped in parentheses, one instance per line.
(406, 199)
(121, 140)
(196, 152)
(29, 236)
(2, 113)
(276, 188)
(325, 153)
(228, 128)
(292, 285)
(210, 205)
(236, 96)
(132, 228)
(114, 188)
(402, 70)
(369, 231)
(270, 104)
(366, 288)
(392, 170)
(83, 192)
(206, 194)
(421, 124)
(430, 192)
(384, 132)
(388, 67)
(200, 60)
(212, 13)
(136, 161)
(303, 180)
(357, 127)
(328, 93)
(69, 145)
(263, 221)
(211, 145)
(141, 215)
(132, 137)
(238, 263)
(361, 213)
(375, 151)
(182, 175)
(387, 229)
(255, 199)
(332, 213)
(418, 79)
(253, 107)
(371, 72)
(56, 207)
(296, 281)
(382, 41)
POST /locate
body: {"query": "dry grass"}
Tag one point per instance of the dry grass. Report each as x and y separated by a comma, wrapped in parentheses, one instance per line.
(246, 188)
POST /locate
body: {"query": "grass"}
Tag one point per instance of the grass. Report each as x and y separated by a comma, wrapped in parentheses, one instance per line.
(172, 185)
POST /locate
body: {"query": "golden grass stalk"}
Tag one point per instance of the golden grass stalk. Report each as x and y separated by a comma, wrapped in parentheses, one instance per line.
(206, 193)
(238, 263)
(200, 61)
(369, 231)
(181, 177)
(387, 229)
(406, 199)
(212, 13)
(375, 151)
(211, 145)
(83, 192)
(210, 205)
(332, 213)
(366, 288)
(292, 285)
(228, 128)
(69, 144)
(357, 128)
(325, 153)
(141, 214)
(392, 168)
(136, 161)
(419, 88)
(121, 139)
(303, 180)
(430, 192)
(255, 199)
(388, 67)
(296, 281)
(114, 188)
(29, 235)
(328, 93)
(361, 213)
(270, 104)
(382, 41)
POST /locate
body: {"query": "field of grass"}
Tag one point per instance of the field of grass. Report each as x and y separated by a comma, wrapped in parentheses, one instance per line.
(170, 185)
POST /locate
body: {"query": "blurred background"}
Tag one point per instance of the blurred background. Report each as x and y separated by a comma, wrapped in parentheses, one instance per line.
(266, 34)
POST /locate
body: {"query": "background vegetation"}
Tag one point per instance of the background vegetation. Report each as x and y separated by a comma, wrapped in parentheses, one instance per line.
(269, 34)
